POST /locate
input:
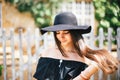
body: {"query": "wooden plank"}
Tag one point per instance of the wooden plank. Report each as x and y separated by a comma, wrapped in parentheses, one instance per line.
(101, 44)
(29, 54)
(118, 52)
(21, 54)
(101, 38)
(12, 53)
(4, 54)
(109, 38)
(37, 42)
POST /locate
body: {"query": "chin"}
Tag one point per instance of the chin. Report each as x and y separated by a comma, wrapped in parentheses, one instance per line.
(65, 44)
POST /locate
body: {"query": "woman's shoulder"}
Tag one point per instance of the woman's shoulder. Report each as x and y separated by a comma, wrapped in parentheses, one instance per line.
(49, 52)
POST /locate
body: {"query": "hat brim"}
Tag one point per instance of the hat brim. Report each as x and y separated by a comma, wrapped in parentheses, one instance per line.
(82, 29)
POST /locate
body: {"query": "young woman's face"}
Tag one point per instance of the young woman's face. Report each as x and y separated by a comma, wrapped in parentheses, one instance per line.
(64, 37)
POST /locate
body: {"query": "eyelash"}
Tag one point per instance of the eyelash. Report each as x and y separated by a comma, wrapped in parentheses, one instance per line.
(67, 32)
(64, 32)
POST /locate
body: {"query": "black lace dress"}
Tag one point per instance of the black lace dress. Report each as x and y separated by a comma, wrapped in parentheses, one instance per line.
(57, 69)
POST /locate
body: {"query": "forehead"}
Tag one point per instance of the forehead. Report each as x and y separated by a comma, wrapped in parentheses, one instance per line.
(62, 31)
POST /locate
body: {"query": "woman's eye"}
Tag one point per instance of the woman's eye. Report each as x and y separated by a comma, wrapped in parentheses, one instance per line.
(66, 32)
(57, 32)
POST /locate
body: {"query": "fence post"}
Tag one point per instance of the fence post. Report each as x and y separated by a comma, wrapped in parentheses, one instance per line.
(21, 55)
(83, 12)
(101, 37)
(29, 54)
(118, 52)
(13, 53)
(37, 42)
(101, 40)
(0, 14)
(45, 43)
(92, 40)
(91, 15)
(4, 54)
(109, 38)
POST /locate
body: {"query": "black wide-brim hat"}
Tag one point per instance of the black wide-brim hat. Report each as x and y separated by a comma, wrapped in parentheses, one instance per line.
(66, 21)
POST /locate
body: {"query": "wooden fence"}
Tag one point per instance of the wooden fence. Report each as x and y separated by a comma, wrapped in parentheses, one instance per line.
(21, 51)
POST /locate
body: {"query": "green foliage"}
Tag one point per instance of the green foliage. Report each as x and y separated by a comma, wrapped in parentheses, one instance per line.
(41, 10)
(107, 13)
(1, 70)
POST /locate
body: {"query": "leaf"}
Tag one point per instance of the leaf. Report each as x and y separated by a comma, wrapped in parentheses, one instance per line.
(38, 6)
(1, 67)
(105, 23)
(40, 20)
(47, 12)
(114, 20)
(34, 11)
(100, 13)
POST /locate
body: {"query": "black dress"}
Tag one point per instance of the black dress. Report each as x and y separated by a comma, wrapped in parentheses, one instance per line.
(57, 69)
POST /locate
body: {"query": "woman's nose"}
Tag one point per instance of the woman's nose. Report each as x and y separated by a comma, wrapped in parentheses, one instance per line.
(61, 35)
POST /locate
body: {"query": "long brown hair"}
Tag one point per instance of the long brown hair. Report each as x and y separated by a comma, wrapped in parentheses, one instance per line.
(106, 62)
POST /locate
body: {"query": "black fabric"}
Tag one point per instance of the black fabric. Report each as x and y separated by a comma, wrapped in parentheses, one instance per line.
(52, 69)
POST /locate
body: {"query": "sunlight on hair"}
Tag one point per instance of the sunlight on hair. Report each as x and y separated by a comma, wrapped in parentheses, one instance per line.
(82, 45)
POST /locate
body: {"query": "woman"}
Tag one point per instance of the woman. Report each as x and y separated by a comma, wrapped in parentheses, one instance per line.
(71, 58)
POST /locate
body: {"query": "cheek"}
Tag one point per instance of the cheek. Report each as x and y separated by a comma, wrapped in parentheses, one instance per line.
(69, 38)
(58, 37)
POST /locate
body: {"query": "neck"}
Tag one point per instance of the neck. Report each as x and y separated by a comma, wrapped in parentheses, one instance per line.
(69, 49)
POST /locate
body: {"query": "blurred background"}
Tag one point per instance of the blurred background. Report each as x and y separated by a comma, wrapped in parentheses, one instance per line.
(21, 41)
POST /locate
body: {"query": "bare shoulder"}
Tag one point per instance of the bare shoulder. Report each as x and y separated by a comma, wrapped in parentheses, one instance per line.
(49, 52)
